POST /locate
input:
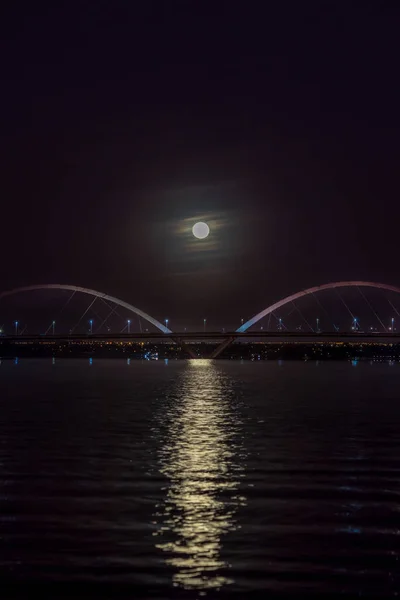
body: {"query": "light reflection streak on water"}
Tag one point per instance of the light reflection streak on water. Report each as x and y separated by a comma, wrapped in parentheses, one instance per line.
(201, 460)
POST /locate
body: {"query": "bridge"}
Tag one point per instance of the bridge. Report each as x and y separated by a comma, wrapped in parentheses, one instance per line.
(382, 330)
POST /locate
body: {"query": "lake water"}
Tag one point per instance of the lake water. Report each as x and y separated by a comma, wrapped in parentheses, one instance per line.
(201, 478)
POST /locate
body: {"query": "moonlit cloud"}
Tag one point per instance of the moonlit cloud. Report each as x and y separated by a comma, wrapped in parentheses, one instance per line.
(217, 223)
(221, 207)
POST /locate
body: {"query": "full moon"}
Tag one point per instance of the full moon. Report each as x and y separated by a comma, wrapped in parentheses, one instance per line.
(200, 230)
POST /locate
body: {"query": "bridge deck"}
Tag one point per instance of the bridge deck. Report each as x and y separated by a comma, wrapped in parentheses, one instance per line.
(216, 336)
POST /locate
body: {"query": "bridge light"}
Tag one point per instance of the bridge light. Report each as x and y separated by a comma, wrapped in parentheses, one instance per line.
(91, 325)
(166, 322)
(16, 327)
(129, 325)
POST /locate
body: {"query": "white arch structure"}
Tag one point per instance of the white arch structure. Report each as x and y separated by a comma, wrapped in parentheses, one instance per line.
(75, 288)
(318, 288)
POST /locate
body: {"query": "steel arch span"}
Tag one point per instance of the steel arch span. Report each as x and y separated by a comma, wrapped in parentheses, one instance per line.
(75, 288)
(312, 290)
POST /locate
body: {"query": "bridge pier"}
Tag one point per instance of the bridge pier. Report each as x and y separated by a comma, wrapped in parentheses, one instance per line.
(222, 346)
(185, 347)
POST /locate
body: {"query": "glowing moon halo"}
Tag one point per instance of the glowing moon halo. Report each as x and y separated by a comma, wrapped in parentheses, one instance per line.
(200, 230)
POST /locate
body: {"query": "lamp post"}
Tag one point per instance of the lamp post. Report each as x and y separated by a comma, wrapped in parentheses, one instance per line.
(204, 324)
(54, 327)
(16, 327)
(166, 322)
(91, 326)
(129, 325)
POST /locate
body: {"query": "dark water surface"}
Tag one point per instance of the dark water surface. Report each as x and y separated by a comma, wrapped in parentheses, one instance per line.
(201, 478)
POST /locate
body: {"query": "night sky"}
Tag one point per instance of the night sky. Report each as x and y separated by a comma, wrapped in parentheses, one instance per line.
(122, 123)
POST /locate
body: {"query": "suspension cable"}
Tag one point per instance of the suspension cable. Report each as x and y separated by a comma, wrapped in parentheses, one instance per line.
(280, 321)
(317, 300)
(106, 319)
(303, 317)
(394, 308)
(67, 302)
(351, 314)
(86, 311)
(97, 315)
(59, 313)
(110, 306)
(372, 308)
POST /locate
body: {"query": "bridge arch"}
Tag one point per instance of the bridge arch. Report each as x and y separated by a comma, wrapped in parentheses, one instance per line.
(75, 288)
(312, 290)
